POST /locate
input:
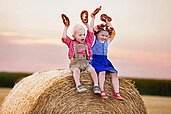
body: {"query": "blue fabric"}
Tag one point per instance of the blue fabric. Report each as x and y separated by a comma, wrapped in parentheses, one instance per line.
(101, 63)
(100, 48)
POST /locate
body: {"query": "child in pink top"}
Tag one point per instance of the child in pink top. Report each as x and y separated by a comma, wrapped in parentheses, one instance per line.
(80, 52)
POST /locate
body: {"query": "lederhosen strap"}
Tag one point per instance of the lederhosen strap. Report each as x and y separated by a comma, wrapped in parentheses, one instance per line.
(86, 50)
(75, 50)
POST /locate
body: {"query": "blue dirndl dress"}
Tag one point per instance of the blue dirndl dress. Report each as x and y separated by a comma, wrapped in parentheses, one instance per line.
(101, 63)
(99, 59)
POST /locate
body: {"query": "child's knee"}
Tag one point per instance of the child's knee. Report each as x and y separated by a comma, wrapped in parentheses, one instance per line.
(102, 73)
(114, 74)
(76, 70)
(90, 69)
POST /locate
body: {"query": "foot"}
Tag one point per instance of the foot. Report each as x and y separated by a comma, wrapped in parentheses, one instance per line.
(103, 95)
(118, 96)
(96, 89)
(80, 88)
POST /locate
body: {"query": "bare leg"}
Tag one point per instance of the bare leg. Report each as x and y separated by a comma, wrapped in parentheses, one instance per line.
(93, 74)
(76, 76)
(115, 82)
(102, 80)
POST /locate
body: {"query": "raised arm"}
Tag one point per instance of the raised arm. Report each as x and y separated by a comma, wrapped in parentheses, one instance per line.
(92, 20)
(93, 14)
(91, 26)
(112, 35)
(64, 34)
(84, 19)
(66, 23)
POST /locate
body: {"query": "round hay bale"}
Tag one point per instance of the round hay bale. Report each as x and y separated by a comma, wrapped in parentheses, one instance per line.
(53, 92)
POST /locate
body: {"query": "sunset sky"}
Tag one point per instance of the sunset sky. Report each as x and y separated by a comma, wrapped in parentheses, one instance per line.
(31, 30)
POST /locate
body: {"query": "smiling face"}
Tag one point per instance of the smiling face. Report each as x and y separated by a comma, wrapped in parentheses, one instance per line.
(79, 34)
(102, 36)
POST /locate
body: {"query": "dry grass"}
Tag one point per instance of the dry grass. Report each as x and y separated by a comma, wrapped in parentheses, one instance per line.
(157, 104)
(54, 92)
(3, 93)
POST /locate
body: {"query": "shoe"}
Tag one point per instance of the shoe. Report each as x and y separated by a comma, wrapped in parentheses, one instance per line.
(103, 95)
(80, 88)
(96, 89)
(118, 96)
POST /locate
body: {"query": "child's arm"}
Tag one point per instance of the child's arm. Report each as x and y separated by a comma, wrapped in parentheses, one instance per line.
(64, 35)
(112, 35)
(65, 38)
(90, 32)
(93, 14)
(84, 18)
(92, 21)
(91, 26)
(66, 22)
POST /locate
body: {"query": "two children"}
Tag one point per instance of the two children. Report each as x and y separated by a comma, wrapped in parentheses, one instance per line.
(83, 47)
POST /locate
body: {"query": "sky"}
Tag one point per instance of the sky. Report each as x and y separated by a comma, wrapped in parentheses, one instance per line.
(31, 30)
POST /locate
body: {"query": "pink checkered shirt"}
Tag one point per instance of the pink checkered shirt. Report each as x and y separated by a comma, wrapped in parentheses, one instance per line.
(89, 41)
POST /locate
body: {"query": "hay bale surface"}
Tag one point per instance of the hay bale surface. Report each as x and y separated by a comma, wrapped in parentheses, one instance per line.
(53, 92)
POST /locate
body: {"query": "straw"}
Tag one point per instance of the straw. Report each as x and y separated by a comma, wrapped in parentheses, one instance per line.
(53, 92)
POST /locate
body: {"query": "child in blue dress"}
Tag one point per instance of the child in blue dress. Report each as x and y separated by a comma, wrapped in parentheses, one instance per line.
(104, 34)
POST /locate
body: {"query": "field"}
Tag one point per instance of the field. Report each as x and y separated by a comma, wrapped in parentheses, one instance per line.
(154, 104)
(157, 104)
(3, 93)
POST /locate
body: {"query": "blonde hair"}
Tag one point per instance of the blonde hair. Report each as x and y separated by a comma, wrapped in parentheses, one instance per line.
(76, 28)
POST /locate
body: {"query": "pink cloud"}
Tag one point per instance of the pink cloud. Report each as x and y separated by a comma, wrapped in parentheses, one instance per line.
(36, 57)
(141, 63)
(16, 57)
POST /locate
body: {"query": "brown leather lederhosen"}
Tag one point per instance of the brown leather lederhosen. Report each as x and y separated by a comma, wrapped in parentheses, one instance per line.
(79, 60)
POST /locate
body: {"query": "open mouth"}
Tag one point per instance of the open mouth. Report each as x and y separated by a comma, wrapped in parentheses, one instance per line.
(82, 40)
(104, 39)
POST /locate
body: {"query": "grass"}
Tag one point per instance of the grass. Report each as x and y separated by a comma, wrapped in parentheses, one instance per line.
(8, 79)
(3, 92)
(157, 104)
(154, 104)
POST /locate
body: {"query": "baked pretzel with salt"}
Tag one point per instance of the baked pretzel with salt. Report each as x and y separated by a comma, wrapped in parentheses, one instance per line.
(97, 10)
(65, 20)
(105, 18)
(84, 16)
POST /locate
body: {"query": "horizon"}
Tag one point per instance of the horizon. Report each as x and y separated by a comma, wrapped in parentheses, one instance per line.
(30, 35)
(120, 76)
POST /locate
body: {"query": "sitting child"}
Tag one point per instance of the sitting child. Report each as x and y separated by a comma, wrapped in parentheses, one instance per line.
(104, 34)
(80, 50)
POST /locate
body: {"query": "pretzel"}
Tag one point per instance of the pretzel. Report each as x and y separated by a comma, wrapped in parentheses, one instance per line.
(97, 10)
(65, 20)
(105, 18)
(84, 16)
